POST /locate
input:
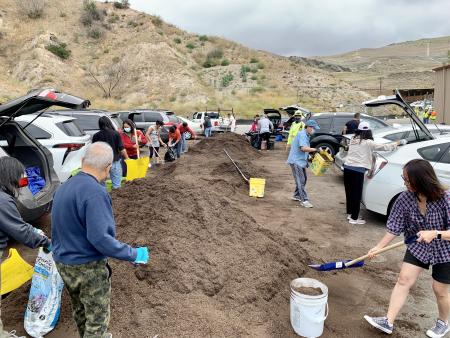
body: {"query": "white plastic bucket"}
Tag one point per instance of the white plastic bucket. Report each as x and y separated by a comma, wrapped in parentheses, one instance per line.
(308, 313)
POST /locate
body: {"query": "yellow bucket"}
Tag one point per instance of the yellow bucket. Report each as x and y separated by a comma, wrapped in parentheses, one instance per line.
(257, 186)
(321, 162)
(137, 168)
(14, 272)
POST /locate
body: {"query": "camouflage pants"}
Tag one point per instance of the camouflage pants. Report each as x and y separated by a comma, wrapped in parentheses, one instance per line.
(89, 287)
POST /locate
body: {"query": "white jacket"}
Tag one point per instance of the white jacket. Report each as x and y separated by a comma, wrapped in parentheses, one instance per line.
(360, 152)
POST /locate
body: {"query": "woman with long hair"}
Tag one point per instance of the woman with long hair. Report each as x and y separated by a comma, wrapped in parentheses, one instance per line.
(11, 223)
(109, 135)
(128, 138)
(357, 162)
(422, 210)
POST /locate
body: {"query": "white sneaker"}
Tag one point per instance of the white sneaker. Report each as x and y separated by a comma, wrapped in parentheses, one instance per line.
(357, 221)
(296, 199)
(349, 216)
(306, 204)
(440, 329)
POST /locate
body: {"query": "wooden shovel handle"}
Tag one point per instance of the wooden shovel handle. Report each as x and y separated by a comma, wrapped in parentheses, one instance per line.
(137, 142)
(387, 248)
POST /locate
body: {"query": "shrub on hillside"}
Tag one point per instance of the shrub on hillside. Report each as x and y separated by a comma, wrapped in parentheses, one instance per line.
(225, 62)
(226, 79)
(133, 24)
(123, 4)
(253, 60)
(90, 13)
(34, 9)
(216, 53)
(261, 65)
(95, 33)
(157, 21)
(203, 38)
(59, 49)
(190, 46)
(114, 18)
(177, 40)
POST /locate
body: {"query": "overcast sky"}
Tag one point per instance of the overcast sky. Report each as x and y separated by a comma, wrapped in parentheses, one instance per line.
(306, 27)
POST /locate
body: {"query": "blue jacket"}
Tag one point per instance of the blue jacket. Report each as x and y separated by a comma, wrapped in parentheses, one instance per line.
(83, 226)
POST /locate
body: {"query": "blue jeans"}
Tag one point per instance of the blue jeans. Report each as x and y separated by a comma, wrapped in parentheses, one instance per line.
(300, 178)
(116, 174)
(183, 143)
(178, 149)
(208, 132)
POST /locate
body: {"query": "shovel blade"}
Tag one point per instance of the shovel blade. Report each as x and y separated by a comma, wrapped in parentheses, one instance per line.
(339, 265)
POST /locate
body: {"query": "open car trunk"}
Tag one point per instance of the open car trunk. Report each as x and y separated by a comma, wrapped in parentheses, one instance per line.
(15, 142)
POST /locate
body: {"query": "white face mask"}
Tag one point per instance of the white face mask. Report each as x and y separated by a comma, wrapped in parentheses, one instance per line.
(312, 132)
(127, 130)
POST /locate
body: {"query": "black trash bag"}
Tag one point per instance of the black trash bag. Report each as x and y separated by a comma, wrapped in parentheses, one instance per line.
(170, 155)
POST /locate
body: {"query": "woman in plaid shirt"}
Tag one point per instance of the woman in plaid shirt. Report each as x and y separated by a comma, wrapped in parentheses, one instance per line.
(423, 210)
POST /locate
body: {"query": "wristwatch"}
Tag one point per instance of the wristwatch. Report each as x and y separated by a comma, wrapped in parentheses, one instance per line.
(438, 235)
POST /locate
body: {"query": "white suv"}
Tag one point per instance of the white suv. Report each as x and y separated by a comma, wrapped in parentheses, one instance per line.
(61, 136)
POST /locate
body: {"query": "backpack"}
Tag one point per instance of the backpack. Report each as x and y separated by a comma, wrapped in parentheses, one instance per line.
(170, 155)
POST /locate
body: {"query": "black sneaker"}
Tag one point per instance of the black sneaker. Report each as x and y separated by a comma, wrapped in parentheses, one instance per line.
(381, 323)
(440, 329)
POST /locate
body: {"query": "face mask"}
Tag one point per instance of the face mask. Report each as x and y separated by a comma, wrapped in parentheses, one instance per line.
(312, 132)
(127, 130)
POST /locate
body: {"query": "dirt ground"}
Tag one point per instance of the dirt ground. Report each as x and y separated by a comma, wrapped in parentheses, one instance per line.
(221, 262)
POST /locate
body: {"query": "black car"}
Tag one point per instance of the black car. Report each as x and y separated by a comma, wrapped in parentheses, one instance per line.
(87, 119)
(17, 142)
(329, 136)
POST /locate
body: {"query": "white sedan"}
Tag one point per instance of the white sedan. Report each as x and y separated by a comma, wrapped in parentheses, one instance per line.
(392, 134)
(194, 125)
(382, 188)
(62, 137)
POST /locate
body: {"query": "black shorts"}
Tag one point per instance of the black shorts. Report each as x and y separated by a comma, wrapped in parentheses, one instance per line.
(153, 152)
(441, 271)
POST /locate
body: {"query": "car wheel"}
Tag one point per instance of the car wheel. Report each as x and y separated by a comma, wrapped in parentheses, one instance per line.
(326, 147)
(187, 135)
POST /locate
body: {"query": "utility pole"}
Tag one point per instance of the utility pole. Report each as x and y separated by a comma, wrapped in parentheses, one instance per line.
(428, 49)
(381, 84)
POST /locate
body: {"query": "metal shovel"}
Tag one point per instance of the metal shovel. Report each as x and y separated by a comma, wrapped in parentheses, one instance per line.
(358, 262)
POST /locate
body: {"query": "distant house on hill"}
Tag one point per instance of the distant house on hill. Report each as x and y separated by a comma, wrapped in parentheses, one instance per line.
(442, 93)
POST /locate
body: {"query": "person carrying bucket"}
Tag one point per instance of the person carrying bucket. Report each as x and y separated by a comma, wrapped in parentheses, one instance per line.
(422, 210)
(298, 160)
(128, 138)
(296, 126)
(357, 162)
(11, 223)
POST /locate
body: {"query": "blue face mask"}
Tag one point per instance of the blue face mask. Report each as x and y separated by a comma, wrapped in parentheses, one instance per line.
(127, 130)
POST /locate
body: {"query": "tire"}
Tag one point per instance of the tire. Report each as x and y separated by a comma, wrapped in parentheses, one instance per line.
(327, 147)
(187, 135)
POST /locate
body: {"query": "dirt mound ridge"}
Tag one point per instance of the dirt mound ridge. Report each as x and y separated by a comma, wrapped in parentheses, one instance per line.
(211, 263)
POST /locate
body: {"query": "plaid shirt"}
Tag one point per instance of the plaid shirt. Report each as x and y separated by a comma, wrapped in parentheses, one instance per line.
(406, 218)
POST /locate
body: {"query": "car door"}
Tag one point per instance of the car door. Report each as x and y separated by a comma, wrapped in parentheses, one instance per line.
(440, 159)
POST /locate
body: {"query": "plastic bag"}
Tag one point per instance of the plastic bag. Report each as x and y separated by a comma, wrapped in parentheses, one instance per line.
(44, 302)
(170, 155)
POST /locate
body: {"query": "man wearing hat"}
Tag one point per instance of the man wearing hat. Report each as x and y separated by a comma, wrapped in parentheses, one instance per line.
(298, 160)
(296, 126)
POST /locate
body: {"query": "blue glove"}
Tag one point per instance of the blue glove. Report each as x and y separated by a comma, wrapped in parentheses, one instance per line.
(142, 256)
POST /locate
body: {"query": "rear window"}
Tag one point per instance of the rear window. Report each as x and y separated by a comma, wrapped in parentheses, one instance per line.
(374, 123)
(87, 122)
(213, 115)
(36, 132)
(152, 117)
(433, 153)
(324, 123)
(70, 128)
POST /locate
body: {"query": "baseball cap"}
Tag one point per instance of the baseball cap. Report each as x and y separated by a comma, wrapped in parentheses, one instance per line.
(312, 123)
(364, 126)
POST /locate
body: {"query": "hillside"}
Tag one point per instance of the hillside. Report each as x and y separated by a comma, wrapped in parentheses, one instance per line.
(401, 65)
(149, 63)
